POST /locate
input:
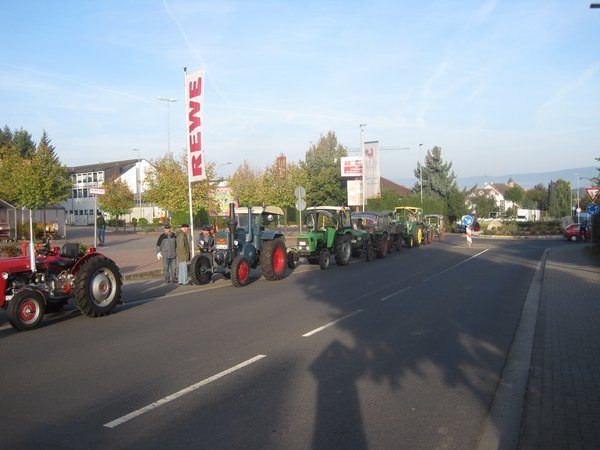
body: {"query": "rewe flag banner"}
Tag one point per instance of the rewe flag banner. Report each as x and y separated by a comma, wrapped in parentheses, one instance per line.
(194, 99)
(371, 171)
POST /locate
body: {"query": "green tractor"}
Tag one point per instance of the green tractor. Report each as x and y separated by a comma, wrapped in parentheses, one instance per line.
(252, 238)
(435, 224)
(329, 232)
(415, 230)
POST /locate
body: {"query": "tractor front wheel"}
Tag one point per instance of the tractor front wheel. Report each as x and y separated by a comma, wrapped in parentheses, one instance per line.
(201, 269)
(324, 259)
(98, 286)
(26, 309)
(240, 271)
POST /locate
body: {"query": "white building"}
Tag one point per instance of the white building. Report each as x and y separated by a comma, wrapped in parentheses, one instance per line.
(80, 206)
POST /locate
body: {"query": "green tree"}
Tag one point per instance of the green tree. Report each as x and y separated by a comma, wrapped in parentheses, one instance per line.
(484, 205)
(559, 198)
(119, 199)
(536, 198)
(167, 185)
(437, 176)
(325, 185)
(596, 180)
(387, 202)
(24, 143)
(278, 182)
(245, 184)
(515, 194)
(455, 202)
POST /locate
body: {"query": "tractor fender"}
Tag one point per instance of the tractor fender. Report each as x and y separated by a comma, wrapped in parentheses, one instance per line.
(249, 252)
(80, 261)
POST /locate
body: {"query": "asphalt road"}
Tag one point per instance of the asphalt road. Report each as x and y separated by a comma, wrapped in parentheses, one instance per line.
(402, 352)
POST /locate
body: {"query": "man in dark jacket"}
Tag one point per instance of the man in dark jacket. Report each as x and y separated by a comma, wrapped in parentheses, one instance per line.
(183, 253)
(166, 249)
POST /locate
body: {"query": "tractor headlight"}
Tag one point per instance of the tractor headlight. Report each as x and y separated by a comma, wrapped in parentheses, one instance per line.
(5, 275)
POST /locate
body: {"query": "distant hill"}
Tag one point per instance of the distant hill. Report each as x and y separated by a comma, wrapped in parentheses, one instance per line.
(525, 180)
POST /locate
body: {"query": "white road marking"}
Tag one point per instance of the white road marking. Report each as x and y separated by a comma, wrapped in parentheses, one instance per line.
(387, 297)
(182, 392)
(316, 330)
(455, 265)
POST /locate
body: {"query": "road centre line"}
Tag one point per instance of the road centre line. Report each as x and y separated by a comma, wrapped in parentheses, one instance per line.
(387, 297)
(121, 420)
(455, 265)
(316, 330)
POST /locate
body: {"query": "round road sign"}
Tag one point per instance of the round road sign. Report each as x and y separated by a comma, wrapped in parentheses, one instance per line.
(300, 204)
(592, 208)
(300, 192)
(467, 221)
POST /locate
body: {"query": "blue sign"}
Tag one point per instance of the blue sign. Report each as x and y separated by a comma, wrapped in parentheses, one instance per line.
(467, 221)
(592, 208)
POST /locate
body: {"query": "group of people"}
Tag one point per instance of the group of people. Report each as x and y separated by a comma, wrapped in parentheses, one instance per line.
(175, 252)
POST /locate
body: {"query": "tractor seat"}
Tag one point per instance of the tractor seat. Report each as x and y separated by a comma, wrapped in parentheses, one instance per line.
(69, 250)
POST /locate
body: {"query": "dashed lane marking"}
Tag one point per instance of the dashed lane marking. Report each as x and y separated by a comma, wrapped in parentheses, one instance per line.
(121, 420)
(316, 330)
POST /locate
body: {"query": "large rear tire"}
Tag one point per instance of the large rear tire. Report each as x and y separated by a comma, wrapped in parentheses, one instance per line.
(240, 271)
(273, 260)
(343, 249)
(26, 309)
(381, 243)
(201, 269)
(98, 286)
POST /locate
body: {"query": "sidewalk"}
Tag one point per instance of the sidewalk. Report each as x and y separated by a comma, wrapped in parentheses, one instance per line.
(562, 404)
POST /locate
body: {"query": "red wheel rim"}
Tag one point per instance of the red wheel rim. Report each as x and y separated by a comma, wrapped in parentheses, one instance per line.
(28, 311)
(243, 271)
(278, 260)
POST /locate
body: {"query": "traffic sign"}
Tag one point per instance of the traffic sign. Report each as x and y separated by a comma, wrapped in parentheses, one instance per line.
(593, 208)
(467, 221)
(300, 192)
(592, 193)
(97, 191)
(300, 204)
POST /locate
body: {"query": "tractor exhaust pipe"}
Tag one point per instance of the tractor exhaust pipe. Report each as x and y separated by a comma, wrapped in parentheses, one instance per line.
(232, 225)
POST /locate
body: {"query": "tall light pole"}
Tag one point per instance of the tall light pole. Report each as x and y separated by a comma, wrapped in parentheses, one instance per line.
(138, 180)
(168, 101)
(578, 209)
(364, 166)
(420, 173)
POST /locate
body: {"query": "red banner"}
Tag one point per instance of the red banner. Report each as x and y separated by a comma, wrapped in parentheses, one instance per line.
(194, 97)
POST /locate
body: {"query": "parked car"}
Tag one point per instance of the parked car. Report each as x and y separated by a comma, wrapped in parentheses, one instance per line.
(573, 232)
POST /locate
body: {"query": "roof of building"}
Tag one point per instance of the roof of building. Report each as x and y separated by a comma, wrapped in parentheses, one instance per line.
(111, 170)
(389, 185)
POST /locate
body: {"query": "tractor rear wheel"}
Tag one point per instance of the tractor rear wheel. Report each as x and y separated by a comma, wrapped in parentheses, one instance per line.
(273, 260)
(240, 271)
(343, 248)
(201, 269)
(381, 243)
(26, 309)
(98, 286)
(292, 261)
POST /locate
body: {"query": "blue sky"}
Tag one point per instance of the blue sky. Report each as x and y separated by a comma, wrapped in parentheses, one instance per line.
(501, 86)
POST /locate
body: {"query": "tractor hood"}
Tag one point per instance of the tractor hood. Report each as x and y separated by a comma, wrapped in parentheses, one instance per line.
(14, 265)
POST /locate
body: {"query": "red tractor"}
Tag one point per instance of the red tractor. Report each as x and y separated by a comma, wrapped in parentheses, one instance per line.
(92, 279)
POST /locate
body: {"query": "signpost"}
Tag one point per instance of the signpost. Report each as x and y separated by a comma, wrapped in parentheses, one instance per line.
(467, 222)
(592, 193)
(300, 192)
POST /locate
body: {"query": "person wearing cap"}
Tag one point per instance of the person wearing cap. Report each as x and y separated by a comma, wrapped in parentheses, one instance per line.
(184, 254)
(206, 240)
(166, 249)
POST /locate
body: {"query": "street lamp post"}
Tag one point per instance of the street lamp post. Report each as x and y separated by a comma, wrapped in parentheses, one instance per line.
(578, 209)
(364, 166)
(168, 101)
(420, 173)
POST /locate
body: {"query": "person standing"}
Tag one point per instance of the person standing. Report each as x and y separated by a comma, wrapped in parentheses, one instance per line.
(100, 228)
(184, 254)
(166, 246)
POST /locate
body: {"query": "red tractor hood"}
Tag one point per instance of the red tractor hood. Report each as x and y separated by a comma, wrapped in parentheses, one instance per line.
(14, 265)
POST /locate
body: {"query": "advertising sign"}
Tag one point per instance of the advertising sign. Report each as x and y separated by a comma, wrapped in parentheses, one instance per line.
(222, 196)
(354, 192)
(372, 172)
(351, 166)
(194, 98)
